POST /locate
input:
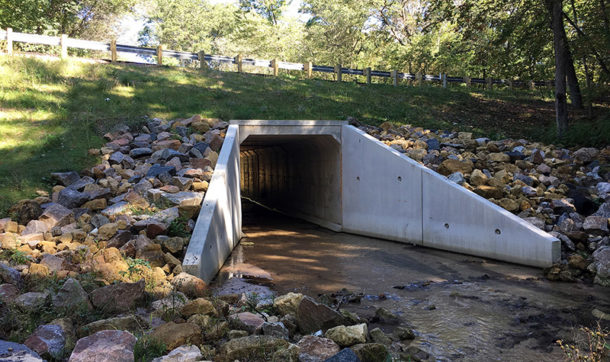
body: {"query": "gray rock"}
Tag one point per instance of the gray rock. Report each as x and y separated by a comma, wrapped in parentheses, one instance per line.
(115, 209)
(596, 224)
(601, 266)
(456, 177)
(10, 275)
(71, 198)
(71, 295)
(57, 215)
(81, 183)
(157, 170)
(603, 211)
(603, 189)
(116, 158)
(313, 316)
(182, 354)
(13, 352)
(118, 297)
(35, 227)
(275, 329)
(105, 346)
(31, 300)
(140, 152)
(315, 349)
(345, 355)
(48, 341)
(65, 178)
(184, 198)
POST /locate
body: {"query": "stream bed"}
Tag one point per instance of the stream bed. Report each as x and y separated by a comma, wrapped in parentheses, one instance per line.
(461, 307)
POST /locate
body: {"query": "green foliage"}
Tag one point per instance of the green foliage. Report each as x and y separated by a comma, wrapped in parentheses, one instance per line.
(135, 268)
(147, 349)
(178, 227)
(15, 256)
(92, 19)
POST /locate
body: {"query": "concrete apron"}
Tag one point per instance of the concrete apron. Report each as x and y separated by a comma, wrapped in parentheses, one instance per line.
(339, 177)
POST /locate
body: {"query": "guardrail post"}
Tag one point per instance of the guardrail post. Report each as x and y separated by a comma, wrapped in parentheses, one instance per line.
(113, 55)
(202, 63)
(307, 67)
(64, 46)
(468, 81)
(509, 82)
(444, 79)
(9, 41)
(159, 55)
(418, 78)
(395, 78)
(275, 66)
(238, 61)
(488, 83)
(338, 72)
(532, 85)
(367, 73)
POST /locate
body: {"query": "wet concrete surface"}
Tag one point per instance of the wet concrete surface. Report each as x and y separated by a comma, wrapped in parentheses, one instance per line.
(461, 307)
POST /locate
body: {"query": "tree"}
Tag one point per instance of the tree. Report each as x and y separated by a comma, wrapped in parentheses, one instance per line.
(269, 9)
(92, 19)
(555, 8)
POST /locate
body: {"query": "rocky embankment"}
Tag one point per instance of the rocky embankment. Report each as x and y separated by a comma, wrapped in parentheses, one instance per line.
(564, 192)
(94, 267)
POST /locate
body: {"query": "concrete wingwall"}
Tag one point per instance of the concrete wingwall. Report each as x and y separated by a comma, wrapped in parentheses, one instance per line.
(390, 196)
(218, 227)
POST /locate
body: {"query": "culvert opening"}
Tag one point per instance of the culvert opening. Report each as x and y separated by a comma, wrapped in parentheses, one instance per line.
(299, 175)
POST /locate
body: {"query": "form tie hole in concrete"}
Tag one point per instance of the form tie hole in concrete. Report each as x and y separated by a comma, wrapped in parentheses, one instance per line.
(399, 178)
(498, 231)
(357, 178)
(446, 226)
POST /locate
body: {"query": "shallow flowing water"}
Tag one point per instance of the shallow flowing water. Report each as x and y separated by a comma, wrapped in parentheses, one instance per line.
(461, 307)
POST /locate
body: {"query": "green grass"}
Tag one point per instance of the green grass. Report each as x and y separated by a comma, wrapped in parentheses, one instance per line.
(51, 112)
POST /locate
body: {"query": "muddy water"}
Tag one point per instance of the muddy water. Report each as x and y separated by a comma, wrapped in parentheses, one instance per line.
(461, 307)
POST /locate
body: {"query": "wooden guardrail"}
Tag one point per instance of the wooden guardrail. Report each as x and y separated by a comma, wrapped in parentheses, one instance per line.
(206, 60)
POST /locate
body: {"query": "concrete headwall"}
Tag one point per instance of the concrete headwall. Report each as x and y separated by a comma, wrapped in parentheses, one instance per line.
(218, 227)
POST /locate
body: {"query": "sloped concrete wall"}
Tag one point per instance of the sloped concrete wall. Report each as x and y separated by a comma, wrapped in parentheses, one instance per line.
(218, 227)
(381, 188)
(390, 196)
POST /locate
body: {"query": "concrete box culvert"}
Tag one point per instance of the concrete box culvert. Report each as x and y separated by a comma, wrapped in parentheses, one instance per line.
(335, 175)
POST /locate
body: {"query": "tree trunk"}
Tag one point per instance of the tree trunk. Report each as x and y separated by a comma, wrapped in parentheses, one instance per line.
(561, 105)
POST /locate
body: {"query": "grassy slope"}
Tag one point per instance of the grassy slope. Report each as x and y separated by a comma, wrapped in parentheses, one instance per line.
(52, 112)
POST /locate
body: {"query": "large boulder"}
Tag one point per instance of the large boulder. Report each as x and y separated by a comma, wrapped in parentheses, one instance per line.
(132, 323)
(314, 349)
(190, 285)
(48, 340)
(252, 348)
(198, 306)
(174, 335)
(11, 351)
(182, 354)
(288, 303)
(246, 321)
(450, 166)
(57, 215)
(25, 211)
(118, 297)
(371, 352)
(71, 295)
(601, 266)
(105, 346)
(348, 336)
(313, 316)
